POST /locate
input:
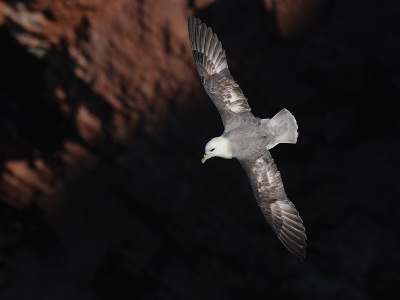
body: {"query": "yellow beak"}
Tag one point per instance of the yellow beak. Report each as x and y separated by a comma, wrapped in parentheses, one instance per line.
(205, 157)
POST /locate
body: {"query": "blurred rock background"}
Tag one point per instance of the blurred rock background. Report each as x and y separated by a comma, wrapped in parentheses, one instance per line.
(103, 123)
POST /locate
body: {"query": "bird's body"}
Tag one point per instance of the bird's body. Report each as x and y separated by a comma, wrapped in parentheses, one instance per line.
(245, 141)
(248, 138)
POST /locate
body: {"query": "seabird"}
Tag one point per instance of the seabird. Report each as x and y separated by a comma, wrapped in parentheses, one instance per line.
(248, 138)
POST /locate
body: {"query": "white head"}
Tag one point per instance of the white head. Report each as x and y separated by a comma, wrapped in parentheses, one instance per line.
(218, 146)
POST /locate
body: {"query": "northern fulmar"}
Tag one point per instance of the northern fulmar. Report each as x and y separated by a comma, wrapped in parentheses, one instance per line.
(248, 138)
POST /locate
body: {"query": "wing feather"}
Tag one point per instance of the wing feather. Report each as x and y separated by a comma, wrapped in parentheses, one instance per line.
(279, 212)
(207, 41)
(214, 73)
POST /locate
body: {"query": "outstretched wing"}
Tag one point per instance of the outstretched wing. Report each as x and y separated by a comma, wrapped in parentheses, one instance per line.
(280, 213)
(214, 73)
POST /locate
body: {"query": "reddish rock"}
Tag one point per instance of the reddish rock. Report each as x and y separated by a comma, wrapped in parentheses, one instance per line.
(202, 4)
(76, 159)
(2, 9)
(292, 16)
(88, 125)
(112, 64)
(21, 182)
(128, 52)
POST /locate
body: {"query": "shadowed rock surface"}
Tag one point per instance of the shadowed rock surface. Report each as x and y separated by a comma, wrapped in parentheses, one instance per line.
(103, 124)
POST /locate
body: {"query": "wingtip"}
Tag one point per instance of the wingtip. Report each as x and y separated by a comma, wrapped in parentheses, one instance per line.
(192, 20)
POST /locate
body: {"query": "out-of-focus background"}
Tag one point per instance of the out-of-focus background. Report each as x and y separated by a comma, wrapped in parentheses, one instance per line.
(103, 123)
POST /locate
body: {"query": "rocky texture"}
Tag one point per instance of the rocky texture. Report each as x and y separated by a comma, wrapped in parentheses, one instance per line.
(109, 46)
(293, 16)
(148, 220)
(111, 65)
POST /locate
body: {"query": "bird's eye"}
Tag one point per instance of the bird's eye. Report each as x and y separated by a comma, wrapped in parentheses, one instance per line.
(211, 150)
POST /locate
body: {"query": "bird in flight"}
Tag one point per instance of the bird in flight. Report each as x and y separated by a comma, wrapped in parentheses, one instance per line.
(248, 138)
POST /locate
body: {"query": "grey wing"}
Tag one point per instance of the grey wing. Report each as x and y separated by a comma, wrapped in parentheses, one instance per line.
(214, 73)
(279, 212)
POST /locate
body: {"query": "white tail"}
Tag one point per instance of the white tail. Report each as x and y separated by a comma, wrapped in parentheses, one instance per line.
(282, 128)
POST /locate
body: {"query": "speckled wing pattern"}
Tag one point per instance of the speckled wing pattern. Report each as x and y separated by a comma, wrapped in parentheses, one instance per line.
(279, 212)
(214, 73)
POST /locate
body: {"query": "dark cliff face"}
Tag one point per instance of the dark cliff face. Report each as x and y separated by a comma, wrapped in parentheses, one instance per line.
(103, 123)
